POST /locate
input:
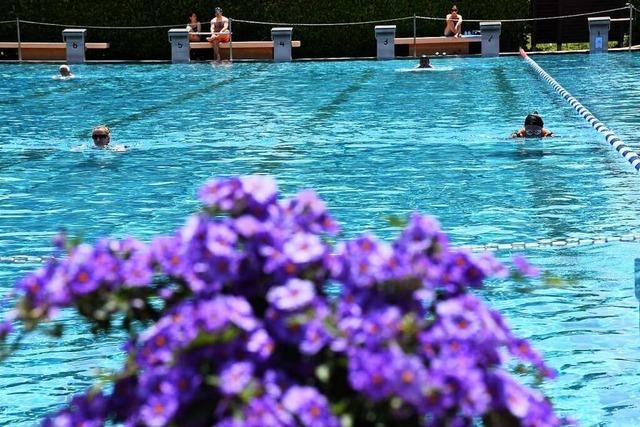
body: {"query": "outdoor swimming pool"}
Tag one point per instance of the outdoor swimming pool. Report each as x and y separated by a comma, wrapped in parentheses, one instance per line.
(374, 141)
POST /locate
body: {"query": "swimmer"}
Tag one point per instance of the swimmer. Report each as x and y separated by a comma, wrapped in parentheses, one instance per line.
(424, 62)
(65, 72)
(533, 128)
(101, 136)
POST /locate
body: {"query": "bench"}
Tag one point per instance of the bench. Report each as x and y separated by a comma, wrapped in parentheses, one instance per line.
(448, 45)
(244, 50)
(46, 51)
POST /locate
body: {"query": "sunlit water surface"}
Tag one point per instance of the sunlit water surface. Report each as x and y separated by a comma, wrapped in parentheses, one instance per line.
(374, 141)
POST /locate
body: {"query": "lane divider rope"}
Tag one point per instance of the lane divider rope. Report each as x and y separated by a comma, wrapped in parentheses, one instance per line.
(487, 247)
(631, 156)
(571, 242)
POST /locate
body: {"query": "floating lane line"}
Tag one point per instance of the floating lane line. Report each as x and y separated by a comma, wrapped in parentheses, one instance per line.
(631, 156)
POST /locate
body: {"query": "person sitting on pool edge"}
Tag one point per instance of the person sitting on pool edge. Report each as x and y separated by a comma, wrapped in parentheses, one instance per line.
(424, 62)
(454, 23)
(533, 128)
(219, 32)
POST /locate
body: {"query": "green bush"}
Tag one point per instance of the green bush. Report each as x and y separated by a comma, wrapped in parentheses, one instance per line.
(316, 42)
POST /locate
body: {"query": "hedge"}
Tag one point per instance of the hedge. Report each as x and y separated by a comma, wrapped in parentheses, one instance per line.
(316, 42)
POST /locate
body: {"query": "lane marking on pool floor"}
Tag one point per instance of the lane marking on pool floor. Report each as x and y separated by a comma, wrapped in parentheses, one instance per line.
(631, 156)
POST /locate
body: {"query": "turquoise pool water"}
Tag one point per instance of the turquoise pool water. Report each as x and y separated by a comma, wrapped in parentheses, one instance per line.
(374, 141)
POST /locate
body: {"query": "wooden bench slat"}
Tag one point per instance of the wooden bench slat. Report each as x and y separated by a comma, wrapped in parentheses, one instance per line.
(437, 40)
(242, 45)
(39, 45)
(97, 45)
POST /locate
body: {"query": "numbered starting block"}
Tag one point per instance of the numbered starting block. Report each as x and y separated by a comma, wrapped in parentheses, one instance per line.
(74, 39)
(281, 37)
(385, 39)
(180, 48)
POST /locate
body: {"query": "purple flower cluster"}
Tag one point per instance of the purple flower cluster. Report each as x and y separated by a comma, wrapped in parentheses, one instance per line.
(240, 331)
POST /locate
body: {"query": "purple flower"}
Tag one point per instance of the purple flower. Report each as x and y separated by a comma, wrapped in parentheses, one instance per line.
(87, 410)
(223, 194)
(309, 406)
(315, 338)
(304, 248)
(371, 373)
(261, 344)
(294, 295)
(158, 411)
(523, 267)
(137, 270)
(168, 253)
(239, 319)
(422, 236)
(456, 320)
(235, 377)
(265, 411)
(411, 377)
(248, 226)
(5, 329)
(220, 239)
(263, 189)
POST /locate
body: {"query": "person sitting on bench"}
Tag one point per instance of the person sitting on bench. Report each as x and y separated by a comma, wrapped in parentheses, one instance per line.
(454, 23)
(194, 28)
(219, 32)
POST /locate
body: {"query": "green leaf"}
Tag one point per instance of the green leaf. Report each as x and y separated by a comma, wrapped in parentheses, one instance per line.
(397, 221)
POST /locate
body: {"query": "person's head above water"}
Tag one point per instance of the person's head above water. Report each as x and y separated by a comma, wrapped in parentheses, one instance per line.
(424, 61)
(533, 124)
(65, 71)
(101, 136)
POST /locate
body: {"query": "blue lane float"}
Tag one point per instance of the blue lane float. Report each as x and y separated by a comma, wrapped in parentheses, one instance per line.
(631, 156)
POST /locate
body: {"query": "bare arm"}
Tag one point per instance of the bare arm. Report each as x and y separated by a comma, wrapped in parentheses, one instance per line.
(459, 24)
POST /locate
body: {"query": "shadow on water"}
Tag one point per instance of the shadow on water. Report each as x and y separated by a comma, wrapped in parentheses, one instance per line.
(503, 87)
(144, 113)
(41, 93)
(327, 111)
(285, 150)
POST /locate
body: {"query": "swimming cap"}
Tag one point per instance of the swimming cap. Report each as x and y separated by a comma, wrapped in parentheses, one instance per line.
(533, 119)
(218, 9)
(64, 67)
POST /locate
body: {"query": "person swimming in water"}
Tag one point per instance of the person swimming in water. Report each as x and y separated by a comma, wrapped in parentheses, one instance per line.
(101, 136)
(533, 128)
(424, 62)
(65, 72)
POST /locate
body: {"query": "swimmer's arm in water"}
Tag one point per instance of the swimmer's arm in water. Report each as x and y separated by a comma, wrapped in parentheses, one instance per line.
(546, 133)
(518, 134)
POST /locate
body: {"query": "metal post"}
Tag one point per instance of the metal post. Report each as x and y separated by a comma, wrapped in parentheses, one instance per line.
(230, 42)
(414, 35)
(630, 26)
(19, 41)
